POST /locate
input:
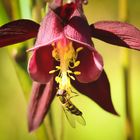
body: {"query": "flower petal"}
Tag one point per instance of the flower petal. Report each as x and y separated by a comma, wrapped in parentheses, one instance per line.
(17, 31)
(91, 65)
(56, 3)
(98, 91)
(42, 96)
(117, 33)
(64, 12)
(80, 34)
(50, 30)
(40, 63)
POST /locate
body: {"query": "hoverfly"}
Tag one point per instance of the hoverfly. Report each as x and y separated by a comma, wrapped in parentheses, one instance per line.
(70, 110)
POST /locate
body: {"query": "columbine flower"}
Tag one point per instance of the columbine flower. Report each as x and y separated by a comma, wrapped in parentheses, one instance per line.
(64, 55)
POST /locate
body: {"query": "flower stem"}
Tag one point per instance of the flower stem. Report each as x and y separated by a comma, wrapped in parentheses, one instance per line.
(123, 16)
(15, 9)
(49, 129)
(50, 126)
(62, 124)
(128, 105)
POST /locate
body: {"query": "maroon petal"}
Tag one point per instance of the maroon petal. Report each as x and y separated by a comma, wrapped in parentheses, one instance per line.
(17, 31)
(65, 11)
(56, 3)
(40, 64)
(78, 30)
(98, 91)
(117, 33)
(50, 30)
(42, 96)
(91, 65)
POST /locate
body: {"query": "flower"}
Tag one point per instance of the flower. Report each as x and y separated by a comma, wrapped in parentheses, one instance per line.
(64, 55)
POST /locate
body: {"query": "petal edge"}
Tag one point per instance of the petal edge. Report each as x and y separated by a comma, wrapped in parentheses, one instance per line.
(17, 31)
(117, 33)
(42, 96)
(98, 91)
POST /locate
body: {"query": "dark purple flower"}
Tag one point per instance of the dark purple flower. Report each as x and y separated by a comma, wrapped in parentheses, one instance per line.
(64, 55)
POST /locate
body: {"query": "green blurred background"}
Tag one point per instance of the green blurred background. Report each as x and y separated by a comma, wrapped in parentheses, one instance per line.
(14, 93)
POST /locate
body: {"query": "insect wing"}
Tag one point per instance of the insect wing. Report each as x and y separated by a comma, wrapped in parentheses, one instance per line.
(80, 119)
(69, 117)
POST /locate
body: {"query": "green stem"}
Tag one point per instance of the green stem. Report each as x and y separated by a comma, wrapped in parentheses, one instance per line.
(62, 125)
(49, 127)
(128, 105)
(51, 119)
(123, 16)
(15, 9)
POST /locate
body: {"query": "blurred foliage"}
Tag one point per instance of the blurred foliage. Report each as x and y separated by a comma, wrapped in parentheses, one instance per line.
(15, 84)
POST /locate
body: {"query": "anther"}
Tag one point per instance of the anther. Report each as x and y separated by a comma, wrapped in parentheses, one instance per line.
(79, 49)
(52, 71)
(76, 63)
(77, 72)
(69, 71)
(72, 77)
(58, 67)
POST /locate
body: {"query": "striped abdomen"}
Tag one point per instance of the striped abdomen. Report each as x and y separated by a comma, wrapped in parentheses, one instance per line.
(72, 108)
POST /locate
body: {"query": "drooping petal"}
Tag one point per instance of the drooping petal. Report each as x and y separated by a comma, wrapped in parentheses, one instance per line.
(40, 63)
(98, 91)
(78, 30)
(50, 30)
(17, 31)
(91, 65)
(42, 96)
(117, 33)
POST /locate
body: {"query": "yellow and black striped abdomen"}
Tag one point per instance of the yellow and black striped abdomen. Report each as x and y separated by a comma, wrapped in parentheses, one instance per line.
(73, 109)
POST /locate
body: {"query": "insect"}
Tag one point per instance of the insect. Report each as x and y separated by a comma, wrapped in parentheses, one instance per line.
(71, 111)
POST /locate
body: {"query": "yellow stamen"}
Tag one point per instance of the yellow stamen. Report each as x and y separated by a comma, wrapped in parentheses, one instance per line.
(67, 56)
(79, 49)
(76, 63)
(77, 72)
(52, 71)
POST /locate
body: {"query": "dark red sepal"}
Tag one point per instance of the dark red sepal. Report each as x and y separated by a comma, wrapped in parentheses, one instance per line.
(17, 31)
(98, 91)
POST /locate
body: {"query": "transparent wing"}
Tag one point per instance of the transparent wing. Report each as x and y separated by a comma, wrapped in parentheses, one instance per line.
(80, 119)
(69, 117)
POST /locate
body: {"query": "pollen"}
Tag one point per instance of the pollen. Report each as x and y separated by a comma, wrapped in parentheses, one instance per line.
(66, 55)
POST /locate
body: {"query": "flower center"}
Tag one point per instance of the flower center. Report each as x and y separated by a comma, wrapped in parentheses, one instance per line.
(66, 55)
